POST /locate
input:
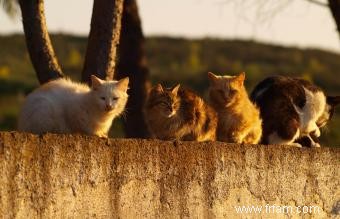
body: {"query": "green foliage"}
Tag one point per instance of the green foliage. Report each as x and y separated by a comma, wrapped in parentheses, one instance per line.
(175, 60)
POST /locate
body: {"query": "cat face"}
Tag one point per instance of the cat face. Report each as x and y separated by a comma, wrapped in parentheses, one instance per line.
(110, 96)
(225, 90)
(332, 102)
(166, 102)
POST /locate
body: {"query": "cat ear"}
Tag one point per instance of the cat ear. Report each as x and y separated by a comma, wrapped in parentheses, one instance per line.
(123, 84)
(212, 77)
(333, 100)
(175, 89)
(240, 78)
(96, 82)
(158, 88)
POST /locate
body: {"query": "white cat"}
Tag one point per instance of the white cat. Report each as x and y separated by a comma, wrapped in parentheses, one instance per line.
(63, 106)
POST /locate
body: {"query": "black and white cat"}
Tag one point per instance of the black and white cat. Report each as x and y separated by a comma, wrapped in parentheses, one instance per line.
(293, 110)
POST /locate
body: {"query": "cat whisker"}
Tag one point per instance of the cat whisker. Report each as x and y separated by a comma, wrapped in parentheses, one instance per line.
(124, 115)
(325, 129)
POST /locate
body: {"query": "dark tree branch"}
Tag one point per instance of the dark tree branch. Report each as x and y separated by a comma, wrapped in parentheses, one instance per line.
(38, 41)
(334, 6)
(103, 39)
(318, 3)
(132, 63)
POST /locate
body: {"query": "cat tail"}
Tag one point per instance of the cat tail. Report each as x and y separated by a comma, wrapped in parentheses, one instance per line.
(36, 117)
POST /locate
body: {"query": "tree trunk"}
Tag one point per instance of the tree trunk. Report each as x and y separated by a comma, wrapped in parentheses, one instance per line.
(334, 5)
(103, 39)
(132, 63)
(38, 41)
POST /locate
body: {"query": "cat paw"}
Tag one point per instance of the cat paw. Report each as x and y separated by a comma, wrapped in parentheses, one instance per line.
(296, 145)
(316, 145)
(317, 133)
(235, 138)
(102, 135)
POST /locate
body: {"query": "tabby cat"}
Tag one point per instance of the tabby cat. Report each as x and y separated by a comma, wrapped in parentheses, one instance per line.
(179, 114)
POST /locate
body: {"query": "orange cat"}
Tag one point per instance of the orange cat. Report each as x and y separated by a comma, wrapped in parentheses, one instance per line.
(238, 119)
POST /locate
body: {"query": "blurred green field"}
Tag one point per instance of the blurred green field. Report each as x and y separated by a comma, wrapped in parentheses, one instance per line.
(175, 60)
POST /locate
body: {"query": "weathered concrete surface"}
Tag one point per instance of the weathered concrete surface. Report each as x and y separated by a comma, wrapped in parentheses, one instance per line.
(81, 177)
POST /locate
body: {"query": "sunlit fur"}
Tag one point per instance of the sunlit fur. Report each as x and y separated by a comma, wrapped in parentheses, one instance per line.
(293, 110)
(63, 106)
(180, 114)
(331, 103)
(238, 118)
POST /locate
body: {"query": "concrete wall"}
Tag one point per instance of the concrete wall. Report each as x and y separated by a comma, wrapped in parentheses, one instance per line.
(76, 176)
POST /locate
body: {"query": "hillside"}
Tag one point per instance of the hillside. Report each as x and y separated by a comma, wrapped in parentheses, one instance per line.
(174, 60)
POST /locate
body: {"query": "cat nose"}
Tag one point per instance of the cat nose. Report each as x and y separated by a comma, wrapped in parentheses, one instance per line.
(109, 107)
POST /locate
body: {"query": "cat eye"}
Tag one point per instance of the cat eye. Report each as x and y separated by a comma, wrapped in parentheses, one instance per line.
(232, 91)
(103, 98)
(114, 98)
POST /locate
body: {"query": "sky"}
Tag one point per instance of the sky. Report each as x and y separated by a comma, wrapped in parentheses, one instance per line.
(285, 22)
